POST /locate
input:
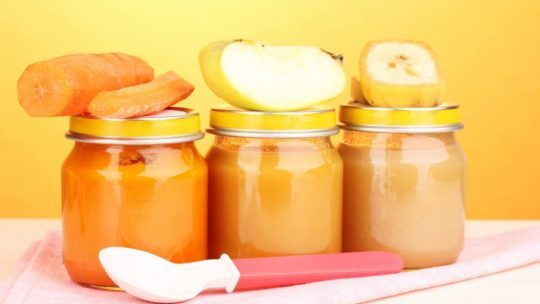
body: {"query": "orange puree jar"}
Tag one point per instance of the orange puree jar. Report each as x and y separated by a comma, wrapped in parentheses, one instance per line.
(275, 183)
(137, 183)
(403, 182)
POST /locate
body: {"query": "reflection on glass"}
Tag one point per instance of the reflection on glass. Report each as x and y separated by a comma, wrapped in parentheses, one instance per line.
(151, 198)
(274, 197)
(404, 193)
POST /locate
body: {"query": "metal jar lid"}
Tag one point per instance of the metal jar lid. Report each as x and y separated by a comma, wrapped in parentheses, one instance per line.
(316, 121)
(173, 125)
(439, 119)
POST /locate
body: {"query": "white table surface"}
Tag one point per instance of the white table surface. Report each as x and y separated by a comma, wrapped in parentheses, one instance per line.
(517, 286)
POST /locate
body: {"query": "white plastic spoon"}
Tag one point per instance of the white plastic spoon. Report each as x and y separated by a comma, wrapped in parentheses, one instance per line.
(154, 279)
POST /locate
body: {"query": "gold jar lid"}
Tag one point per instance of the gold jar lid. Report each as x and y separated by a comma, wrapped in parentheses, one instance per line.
(439, 119)
(312, 122)
(172, 125)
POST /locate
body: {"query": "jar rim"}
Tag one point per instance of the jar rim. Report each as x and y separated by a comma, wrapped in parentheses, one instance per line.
(274, 134)
(407, 129)
(133, 141)
(172, 125)
(314, 109)
(439, 119)
(300, 123)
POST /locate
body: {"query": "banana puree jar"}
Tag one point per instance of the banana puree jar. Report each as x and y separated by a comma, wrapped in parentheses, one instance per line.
(404, 182)
(275, 183)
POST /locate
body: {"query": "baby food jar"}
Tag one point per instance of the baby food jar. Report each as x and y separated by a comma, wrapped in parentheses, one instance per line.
(275, 183)
(403, 182)
(137, 183)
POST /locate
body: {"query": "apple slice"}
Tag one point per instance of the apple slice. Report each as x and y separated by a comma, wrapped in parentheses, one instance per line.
(255, 76)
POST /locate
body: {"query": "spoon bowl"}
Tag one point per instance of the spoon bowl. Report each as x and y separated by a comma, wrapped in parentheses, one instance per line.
(155, 279)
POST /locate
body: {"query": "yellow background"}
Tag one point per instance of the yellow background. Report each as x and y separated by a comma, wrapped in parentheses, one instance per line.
(489, 52)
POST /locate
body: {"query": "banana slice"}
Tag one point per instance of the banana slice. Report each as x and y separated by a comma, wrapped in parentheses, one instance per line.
(400, 74)
(356, 91)
(256, 76)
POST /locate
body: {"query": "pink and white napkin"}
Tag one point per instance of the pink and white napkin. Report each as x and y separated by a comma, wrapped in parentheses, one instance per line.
(40, 277)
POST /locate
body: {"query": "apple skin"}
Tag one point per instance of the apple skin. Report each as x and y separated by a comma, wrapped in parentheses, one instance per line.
(210, 64)
(217, 81)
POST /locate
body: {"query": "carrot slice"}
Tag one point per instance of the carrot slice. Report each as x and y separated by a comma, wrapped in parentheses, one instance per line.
(143, 99)
(66, 85)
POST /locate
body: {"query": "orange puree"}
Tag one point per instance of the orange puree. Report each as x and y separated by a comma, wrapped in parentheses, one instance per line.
(150, 197)
(272, 196)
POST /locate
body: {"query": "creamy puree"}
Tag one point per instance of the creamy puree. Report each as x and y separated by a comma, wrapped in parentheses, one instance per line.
(274, 196)
(404, 193)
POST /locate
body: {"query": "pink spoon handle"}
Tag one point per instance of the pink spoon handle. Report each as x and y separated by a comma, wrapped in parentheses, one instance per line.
(290, 270)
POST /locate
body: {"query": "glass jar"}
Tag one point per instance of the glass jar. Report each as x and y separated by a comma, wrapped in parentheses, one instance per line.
(404, 177)
(275, 183)
(138, 183)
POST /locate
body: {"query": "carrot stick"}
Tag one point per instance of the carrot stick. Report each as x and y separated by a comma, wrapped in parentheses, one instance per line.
(66, 85)
(143, 99)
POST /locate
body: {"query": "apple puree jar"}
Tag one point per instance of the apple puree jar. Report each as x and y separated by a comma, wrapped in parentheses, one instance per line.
(138, 183)
(275, 183)
(404, 177)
